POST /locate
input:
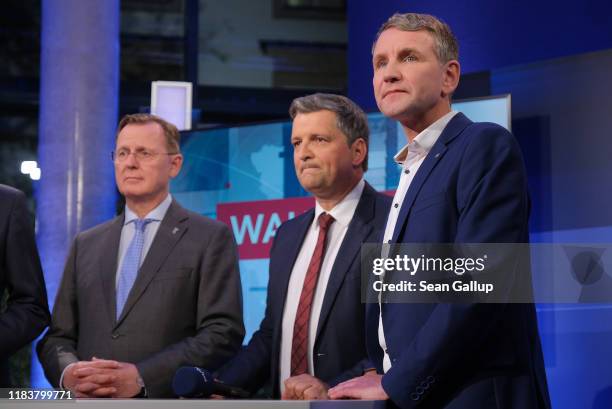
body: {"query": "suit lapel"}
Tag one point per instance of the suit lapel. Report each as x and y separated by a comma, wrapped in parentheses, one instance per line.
(358, 230)
(171, 230)
(109, 251)
(292, 248)
(456, 125)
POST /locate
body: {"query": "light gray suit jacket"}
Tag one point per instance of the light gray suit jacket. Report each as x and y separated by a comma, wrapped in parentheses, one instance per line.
(185, 307)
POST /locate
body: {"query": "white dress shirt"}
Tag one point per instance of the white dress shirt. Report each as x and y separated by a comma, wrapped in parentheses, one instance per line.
(343, 214)
(410, 158)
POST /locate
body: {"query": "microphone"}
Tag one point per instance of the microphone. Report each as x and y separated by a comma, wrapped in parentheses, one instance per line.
(194, 382)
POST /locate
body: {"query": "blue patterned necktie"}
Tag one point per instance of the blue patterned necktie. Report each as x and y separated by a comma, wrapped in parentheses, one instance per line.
(131, 263)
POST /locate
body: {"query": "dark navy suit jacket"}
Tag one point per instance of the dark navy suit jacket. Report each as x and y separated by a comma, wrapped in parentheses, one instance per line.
(27, 312)
(471, 188)
(339, 348)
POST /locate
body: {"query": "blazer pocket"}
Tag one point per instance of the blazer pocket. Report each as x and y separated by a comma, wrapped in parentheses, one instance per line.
(429, 201)
(174, 274)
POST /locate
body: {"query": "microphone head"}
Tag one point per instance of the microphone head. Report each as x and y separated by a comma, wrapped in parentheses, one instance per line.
(192, 382)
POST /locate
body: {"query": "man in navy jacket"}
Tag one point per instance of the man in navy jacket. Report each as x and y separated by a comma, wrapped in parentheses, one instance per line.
(27, 312)
(461, 182)
(330, 140)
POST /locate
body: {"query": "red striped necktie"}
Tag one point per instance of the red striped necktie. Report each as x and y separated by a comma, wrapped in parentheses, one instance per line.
(299, 346)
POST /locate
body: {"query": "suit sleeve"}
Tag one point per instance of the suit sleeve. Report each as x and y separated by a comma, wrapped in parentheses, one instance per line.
(358, 369)
(27, 312)
(493, 207)
(251, 368)
(219, 323)
(58, 347)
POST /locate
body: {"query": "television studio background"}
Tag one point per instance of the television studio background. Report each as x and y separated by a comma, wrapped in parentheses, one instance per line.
(71, 68)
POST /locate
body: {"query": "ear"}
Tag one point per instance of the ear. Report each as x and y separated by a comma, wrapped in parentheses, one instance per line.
(450, 79)
(176, 163)
(359, 151)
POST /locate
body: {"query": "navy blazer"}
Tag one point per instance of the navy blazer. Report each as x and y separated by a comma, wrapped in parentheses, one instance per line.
(27, 311)
(471, 188)
(339, 348)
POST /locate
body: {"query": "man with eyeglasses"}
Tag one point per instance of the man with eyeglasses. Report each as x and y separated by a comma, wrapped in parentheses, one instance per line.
(153, 289)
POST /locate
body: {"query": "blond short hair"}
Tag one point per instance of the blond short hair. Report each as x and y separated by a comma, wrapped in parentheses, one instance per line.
(445, 43)
(173, 137)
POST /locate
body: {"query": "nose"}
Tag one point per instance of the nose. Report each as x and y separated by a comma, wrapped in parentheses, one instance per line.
(391, 74)
(131, 161)
(303, 151)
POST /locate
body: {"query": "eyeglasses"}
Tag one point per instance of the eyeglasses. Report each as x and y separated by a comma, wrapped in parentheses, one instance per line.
(142, 155)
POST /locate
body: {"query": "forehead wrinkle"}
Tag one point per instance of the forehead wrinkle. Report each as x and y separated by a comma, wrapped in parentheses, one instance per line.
(393, 46)
(141, 141)
(135, 145)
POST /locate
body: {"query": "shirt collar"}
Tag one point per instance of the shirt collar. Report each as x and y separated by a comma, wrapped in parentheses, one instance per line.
(156, 214)
(344, 210)
(425, 140)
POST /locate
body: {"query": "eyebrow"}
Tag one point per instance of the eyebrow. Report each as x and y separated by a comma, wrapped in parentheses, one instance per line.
(311, 135)
(409, 50)
(403, 51)
(376, 58)
(137, 148)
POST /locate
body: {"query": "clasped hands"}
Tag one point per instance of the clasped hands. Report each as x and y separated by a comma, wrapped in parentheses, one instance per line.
(102, 378)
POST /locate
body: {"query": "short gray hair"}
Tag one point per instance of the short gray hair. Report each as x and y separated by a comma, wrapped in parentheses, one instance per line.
(350, 119)
(445, 43)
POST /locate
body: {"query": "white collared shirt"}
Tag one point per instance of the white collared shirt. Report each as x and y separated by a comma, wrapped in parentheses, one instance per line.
(128, 230)
(343, 214)
(410, 158)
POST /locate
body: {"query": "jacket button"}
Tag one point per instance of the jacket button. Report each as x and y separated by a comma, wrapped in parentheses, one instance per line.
(115, 336)
(415, 396)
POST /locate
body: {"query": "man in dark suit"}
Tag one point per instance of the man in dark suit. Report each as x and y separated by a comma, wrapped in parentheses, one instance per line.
(27, 312)
(462, 182)
(312, 335)
(153, 289)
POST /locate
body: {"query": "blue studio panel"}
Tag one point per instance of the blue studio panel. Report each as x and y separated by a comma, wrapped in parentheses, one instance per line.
(561, 119)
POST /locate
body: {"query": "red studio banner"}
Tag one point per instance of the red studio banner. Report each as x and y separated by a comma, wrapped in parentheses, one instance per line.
(254, 224)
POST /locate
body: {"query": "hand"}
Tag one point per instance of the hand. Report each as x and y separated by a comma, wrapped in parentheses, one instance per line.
(91, 379)
(368, 386)
(126, 381)
(305, 387)
(214, 395)
(103, 378)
